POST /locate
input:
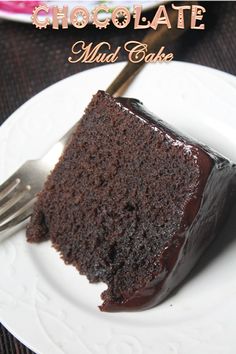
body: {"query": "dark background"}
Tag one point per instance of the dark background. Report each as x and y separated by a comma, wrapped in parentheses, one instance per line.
(31, 60)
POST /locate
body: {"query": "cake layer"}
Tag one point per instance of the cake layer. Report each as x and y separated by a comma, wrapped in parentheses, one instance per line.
(132, 203)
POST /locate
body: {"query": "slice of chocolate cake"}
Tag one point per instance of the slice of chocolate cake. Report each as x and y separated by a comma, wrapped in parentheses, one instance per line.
(132, 203)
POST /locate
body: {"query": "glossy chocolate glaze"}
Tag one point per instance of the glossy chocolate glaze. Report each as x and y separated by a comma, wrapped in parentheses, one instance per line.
(201, 220)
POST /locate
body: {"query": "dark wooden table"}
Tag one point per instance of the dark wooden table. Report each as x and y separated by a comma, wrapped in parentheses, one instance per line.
(31, 60)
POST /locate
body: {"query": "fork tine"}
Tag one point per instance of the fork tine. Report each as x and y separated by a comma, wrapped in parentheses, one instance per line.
(22, 215)
(9, 185)
(9, 200)
(15, 205)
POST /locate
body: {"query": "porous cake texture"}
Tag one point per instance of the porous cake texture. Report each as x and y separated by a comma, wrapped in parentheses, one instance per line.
(132, 203)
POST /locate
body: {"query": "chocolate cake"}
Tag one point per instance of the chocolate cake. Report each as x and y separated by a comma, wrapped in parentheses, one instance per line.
(132, 203)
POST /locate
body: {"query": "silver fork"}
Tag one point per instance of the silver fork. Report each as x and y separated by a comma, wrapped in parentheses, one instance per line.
(19, 192)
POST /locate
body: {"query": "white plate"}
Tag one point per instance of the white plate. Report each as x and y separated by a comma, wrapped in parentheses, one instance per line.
(90, 5)
(53, 309)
